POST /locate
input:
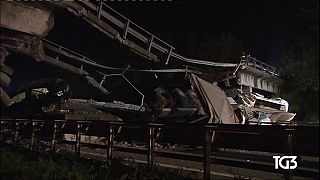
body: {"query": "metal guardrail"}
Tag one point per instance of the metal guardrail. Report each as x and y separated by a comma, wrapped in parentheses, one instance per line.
(209, 130)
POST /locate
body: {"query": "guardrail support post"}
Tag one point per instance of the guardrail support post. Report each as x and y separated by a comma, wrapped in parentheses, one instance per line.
(53, 141)
(207, 154)
(78, 141)
(151, 147)
(110, 142)
(288, 173)
(16, 133)
(33, 133)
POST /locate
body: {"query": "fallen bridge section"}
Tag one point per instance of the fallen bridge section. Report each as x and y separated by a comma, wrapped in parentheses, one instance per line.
(139, 40)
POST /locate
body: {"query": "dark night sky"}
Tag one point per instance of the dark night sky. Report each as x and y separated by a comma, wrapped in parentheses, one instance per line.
(266, 28)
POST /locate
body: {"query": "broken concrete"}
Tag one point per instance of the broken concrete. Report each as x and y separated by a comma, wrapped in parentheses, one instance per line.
(25, 18)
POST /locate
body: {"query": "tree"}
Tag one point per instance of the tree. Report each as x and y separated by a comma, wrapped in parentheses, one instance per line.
(301, 68)
(225, 48)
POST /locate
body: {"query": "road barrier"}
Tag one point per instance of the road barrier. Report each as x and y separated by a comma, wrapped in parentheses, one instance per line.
(291, 136)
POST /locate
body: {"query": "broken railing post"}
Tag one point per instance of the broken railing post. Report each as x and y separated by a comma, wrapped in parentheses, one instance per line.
(33, 133)
(126, 29)
(78, 140)
(150, 147)
(53, 141)
(150, 43)
(99, 8)
(169, 55)
(289, 151)
(16, 133)
(207, 153)
(110, 142)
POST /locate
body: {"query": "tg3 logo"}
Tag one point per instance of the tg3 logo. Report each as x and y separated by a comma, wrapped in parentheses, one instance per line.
(290, 162)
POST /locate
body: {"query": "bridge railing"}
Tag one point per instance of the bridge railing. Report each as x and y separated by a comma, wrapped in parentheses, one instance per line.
(128, 27)
(128, 30)
(151, 41)
(253, 62)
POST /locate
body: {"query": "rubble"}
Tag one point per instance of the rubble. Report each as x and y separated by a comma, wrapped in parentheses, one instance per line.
(257, 109)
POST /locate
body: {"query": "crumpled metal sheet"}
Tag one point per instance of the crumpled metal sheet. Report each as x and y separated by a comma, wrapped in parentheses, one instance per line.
(277, 115)
(215, 101)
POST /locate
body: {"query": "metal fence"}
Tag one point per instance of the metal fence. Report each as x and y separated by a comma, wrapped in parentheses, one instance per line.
(210, 132)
